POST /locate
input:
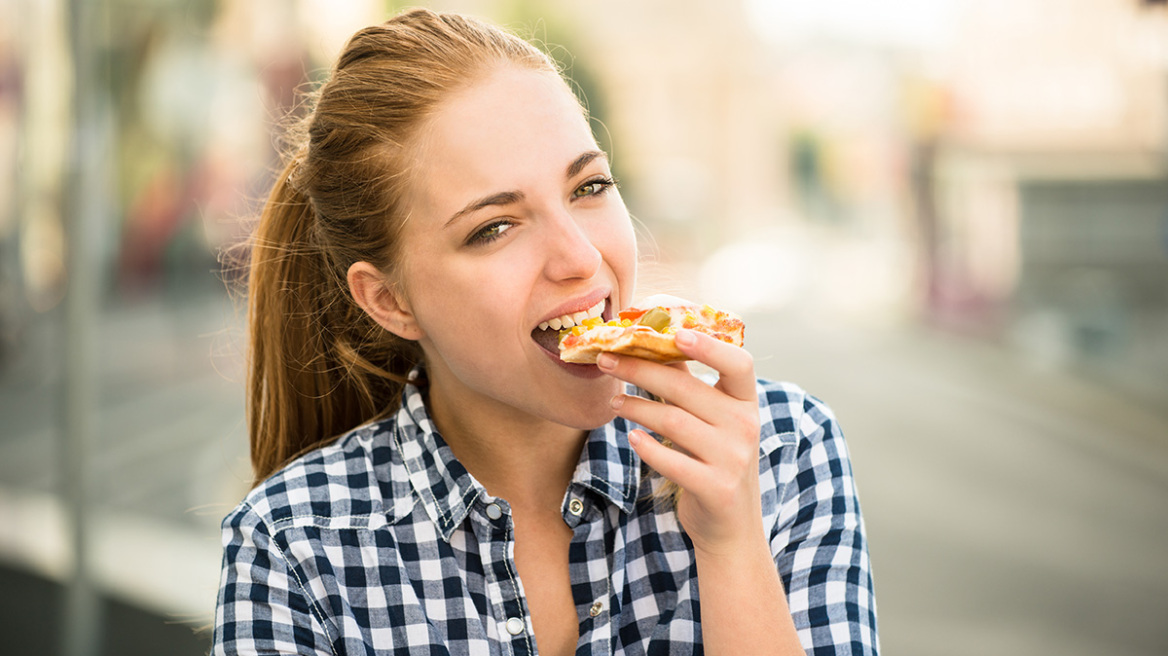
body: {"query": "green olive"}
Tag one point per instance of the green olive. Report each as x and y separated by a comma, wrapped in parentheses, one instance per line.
(657, 319)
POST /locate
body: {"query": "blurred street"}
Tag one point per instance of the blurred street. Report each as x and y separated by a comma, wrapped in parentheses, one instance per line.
(1010, 510)
(168, 460)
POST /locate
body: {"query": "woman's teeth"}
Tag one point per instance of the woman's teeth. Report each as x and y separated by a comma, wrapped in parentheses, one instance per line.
(575, 319)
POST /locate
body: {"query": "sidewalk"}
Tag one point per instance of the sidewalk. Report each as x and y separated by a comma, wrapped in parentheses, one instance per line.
(30, 606)
(168, 461)
(1011, 509)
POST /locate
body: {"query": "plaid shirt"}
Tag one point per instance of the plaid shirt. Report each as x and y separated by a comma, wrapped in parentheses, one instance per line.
(382, 543)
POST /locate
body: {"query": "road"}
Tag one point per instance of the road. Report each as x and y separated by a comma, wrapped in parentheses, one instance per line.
(1010, 509)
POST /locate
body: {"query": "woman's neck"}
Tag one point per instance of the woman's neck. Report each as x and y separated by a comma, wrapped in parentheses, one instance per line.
(526, 460)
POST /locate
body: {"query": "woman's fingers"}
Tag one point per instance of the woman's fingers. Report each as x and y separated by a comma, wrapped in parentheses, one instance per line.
(686, 431)
(735, 366)
(689, 474)
(700, 420)
(672, 384)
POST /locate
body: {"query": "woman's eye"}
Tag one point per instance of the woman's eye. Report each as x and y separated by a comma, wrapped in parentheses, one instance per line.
(489, 233)
(594, 187)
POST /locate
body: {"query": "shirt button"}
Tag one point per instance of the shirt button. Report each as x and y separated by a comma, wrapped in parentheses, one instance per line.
(495, 512)
(576, 507)
(596, 609)
(514, 626)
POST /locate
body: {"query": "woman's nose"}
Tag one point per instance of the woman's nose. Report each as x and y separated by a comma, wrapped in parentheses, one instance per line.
(571, 252)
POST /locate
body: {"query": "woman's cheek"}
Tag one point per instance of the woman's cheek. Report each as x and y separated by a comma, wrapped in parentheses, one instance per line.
(621, 254)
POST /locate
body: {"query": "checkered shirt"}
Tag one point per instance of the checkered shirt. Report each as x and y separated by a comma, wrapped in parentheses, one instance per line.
(382, 543)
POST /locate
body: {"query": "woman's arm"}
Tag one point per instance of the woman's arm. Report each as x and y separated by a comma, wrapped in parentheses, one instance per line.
(818, 540)
(744, 608)
(716, 432)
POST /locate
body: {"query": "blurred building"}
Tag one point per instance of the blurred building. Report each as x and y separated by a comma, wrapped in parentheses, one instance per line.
(1047, 215)
(997, 167)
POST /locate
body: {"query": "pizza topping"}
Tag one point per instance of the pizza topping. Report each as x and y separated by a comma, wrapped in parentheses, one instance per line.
(647, 333)
(594, 322)
(632, 314)
(658, 319)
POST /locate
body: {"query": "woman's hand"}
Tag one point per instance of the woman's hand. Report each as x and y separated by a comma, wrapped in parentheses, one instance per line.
(715, 430)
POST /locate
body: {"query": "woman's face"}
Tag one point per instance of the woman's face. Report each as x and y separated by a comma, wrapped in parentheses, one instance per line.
(513, 221)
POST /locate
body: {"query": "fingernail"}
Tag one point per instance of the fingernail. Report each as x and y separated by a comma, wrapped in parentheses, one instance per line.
(634, 437)
(617, 401)
(685, 338)
(606, 361)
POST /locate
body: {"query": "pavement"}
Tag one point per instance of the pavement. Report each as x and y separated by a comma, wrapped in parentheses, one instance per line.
(1011, 508)
(32, 624)
(169, 460)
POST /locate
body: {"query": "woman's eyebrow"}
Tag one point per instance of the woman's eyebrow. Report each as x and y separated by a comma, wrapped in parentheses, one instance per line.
(580, 162)
(501, 198)
(509, 197)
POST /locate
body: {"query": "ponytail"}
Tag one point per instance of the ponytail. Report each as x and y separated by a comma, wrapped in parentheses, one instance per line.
(319, 366)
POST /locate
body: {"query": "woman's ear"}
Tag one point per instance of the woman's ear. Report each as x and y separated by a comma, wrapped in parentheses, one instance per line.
(381, 299)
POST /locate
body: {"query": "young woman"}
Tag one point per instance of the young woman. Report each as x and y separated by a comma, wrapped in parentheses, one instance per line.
(433, 479)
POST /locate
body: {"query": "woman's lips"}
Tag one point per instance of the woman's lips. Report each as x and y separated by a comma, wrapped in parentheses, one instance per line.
(549, 339)
(589, 371)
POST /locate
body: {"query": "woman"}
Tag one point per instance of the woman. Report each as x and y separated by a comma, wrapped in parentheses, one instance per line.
(484, 497)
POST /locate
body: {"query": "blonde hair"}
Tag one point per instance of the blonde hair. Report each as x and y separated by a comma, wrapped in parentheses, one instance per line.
(318, 364)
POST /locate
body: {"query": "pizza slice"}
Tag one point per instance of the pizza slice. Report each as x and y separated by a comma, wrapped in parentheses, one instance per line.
(647, 331)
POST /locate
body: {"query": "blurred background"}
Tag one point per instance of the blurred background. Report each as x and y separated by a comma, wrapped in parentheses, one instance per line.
(947, 218)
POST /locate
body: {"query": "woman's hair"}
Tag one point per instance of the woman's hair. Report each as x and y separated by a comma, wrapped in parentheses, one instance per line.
(319, 365)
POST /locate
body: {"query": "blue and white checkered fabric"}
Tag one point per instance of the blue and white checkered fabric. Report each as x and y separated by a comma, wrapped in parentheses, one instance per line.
(382, 543)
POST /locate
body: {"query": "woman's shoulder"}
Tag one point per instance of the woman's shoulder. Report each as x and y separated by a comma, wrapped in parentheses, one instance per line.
(787, 410)
(782, 402)
(344, 483)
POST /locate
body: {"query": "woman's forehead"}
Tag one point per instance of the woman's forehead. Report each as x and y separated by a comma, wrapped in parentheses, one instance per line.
(513, 125)
(509, 111)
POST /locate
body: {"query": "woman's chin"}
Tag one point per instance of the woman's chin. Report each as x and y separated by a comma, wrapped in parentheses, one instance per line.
(592, 409)
(589, 422)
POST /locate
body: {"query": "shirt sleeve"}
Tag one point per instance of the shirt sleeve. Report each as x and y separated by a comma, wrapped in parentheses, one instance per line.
(819, 541)
(262, 609)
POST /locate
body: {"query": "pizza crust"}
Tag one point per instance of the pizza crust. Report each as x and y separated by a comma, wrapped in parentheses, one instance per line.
(647, 344)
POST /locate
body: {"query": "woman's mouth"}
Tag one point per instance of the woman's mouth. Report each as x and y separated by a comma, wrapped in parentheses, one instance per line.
(568, 320)
(547, 333)
(548, 339)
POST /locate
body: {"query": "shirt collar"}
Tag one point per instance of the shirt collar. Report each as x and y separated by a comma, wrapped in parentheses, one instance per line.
(447, 491)
(609, 466)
